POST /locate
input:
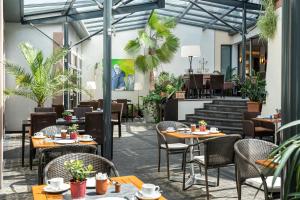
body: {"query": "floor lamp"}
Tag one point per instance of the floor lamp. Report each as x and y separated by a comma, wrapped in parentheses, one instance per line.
(190, 51)
(138, 87)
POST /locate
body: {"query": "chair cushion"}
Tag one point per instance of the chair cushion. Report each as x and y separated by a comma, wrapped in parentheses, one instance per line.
(199, 159)
(175, 146)
(256, 182)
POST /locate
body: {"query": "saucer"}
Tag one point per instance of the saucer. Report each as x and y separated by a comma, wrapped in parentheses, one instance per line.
(155, 195)
(214, 131)
(39, 136)
(50, 189)
(183, 129)
(171, 130)
(201, 132)
(85, 140)
(66, 141)
(57, 135)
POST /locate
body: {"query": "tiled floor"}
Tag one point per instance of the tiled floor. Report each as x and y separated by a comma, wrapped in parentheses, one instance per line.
(134, 154)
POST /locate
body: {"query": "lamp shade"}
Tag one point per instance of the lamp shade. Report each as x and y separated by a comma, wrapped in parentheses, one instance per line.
(138, 86)
(91, 85)
(190, 50)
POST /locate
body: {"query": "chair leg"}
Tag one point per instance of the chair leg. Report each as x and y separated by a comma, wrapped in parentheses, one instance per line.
(206, 183)
(158, 167)
(218, 177)
(30, 155)
(239, 190)
(168, 165)
(184, 171)
(182, 162)
(120, 131)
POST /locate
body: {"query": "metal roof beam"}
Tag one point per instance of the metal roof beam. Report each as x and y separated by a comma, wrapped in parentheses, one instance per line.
(224, 22)
(123, 22)
(74, 16)
(187, 9)
(121, 25)
(221, 17)
(235, 3)
(127, 28)
(199, 25)
(69, 6)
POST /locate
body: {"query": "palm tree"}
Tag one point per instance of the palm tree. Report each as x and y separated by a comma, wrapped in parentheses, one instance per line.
(44, 79)
(157, 41)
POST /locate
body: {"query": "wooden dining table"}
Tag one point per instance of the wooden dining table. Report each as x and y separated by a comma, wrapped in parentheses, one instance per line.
(39, 194)
(194, 178)
(42, 143)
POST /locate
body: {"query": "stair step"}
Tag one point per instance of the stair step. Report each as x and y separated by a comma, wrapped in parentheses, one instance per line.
(237, 102)
(225, 108)
(215, 121)
(218, 114)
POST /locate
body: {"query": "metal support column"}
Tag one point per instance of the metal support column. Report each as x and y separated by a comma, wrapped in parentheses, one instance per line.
(66, 61)
(244, 32)
(108, 144)
(250, 56)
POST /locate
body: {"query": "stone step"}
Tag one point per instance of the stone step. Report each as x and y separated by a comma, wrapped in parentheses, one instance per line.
(229, 102)
(215, 121)
(218, 114)
(225, 108)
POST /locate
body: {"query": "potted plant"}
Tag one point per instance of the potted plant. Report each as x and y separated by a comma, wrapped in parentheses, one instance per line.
(255, 89)
(73, 130)
(151, 107)
(79, 173)
(178, 87)
(202, 125)
(67, 115)
(44, 80)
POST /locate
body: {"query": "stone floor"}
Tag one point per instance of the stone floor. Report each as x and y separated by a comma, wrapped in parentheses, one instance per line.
(134, 154)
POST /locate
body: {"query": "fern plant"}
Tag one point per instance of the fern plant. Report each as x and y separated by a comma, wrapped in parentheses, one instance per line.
(157, 42)
(44, 81)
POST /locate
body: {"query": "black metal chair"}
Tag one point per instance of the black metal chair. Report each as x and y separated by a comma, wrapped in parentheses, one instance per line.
(44, 109)
(116, 116)
(49, 154)
(59, 109)
(247, 151)
(218, 152)
(195, 84)
(169, 144)
(216, 83)
(56, 168)
(79, 112)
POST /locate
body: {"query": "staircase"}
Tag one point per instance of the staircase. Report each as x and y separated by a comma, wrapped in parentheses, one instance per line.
(224, 114)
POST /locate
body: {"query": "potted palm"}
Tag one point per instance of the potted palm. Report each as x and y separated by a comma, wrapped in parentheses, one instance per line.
(67, 115)
(73, 131)
(255, 89)
(44, 80)
(79, 173)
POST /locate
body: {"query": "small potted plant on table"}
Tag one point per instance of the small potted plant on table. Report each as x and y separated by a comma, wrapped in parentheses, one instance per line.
(73, 130)
(67, 115)
(79, 172)
(202, 125)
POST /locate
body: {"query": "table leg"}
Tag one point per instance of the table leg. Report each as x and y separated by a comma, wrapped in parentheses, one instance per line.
(23, 143)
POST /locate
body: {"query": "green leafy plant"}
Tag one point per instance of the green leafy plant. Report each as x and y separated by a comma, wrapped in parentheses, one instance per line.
(202, 123)
(78, 171)
(44, 80)
(73, 128)
(288, 154)
(267, 23)
(254, 88)
(66, 113)
(157, 43)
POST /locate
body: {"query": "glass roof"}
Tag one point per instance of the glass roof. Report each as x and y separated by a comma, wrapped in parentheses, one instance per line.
(208, 14)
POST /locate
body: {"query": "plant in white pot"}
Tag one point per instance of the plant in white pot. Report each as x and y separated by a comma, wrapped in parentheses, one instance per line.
(255, 89)
(79, 173)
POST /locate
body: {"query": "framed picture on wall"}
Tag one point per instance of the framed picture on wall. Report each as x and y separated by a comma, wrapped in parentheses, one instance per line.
(123, 74)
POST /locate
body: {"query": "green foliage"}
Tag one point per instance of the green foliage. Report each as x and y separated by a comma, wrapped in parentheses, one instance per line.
(254, 88)
(202, 123)
(77, 170)
(66, 113)
(73, 128)
(267, 23)
(288, 154)
(44, 80)
(157, 43)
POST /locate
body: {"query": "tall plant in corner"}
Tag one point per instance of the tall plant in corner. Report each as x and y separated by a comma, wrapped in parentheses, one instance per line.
(44, 80)
(156, 41)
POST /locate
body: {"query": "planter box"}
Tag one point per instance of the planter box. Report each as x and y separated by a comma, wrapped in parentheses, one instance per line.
(180, 95)
(254, 106)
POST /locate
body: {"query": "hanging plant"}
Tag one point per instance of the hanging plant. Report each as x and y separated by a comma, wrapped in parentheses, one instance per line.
(267, 23)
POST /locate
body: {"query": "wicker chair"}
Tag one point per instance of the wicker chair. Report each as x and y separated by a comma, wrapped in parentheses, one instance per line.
(56, 167)
(91, 103)
(195, 84)
(49, 154)
(216, 83)
(218, 152)
(79, 112)
(52, 130)
(44, 109)
(59, 109)
(247, 151)
(39, 121)
(116, 117)
(169, 144)
(125, 113)
(100, 103)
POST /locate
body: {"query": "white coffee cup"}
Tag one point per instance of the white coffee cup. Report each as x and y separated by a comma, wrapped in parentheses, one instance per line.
(86, 137)
(56, 183)
(148, 190)
(39, 134)
(213, 129)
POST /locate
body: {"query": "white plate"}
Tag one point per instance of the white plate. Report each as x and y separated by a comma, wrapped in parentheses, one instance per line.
(214, 131)
(64, 141)
(58, 135)
(201, 132)
(85, 140)
(170, 131)
(183, 129)
(156, 195)
(91, 182)
(50, 189)
(39, 137)
(111, 198)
